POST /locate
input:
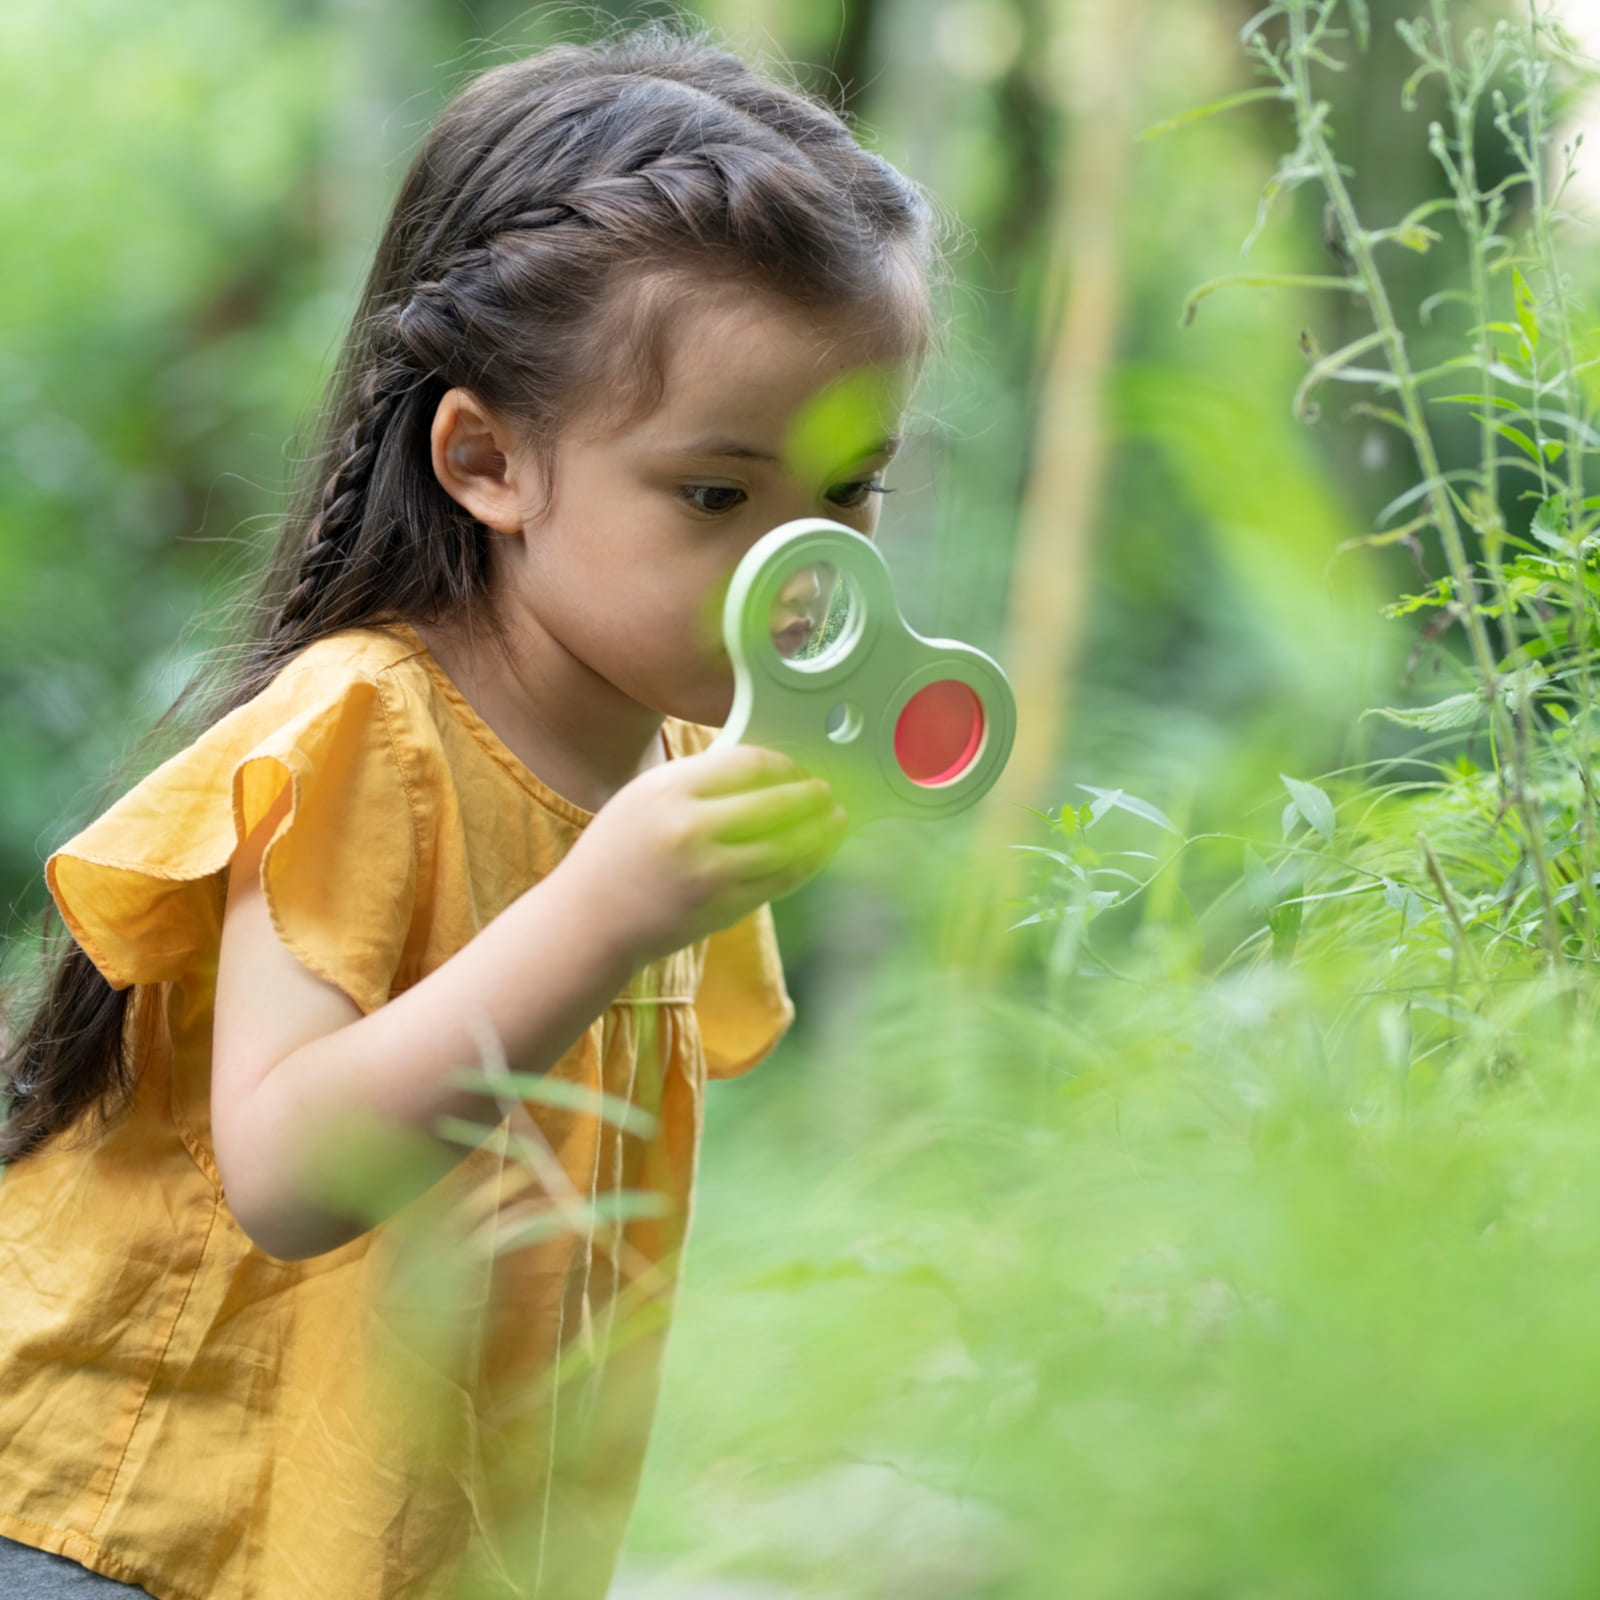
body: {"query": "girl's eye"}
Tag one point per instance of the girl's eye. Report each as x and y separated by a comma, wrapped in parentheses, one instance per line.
(713, 498)
(853, 496)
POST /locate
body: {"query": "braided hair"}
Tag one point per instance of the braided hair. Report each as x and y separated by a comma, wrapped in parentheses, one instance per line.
(547, 190)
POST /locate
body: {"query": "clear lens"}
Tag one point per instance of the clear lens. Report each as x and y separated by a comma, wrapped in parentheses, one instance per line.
(816, 616)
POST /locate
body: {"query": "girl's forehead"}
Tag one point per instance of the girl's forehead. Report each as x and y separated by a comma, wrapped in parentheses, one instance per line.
(741, 362)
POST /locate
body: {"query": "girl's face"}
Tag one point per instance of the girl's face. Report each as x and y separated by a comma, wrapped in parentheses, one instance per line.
(631, 530)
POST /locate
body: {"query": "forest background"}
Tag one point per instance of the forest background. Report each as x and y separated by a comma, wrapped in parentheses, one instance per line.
(1024, 1267)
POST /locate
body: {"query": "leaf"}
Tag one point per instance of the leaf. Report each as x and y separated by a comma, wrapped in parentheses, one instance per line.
(561, 1093)
(1284, 922)
(1265, 280)
(1573, 890)
(1527, 309)
(1312, 804)
(1280, 905)
(1040, 850)
(1417, 238)
(1445, 297)
(1259, 21)
(1263, 892)
(1334, 366)
(1214, 108)
(1549, 524)
(619, 1205)
(1458, 711)
(1439, 593)
(1361, 23)
(1516, 436)
(1107, 799)
(1475, 400)
(1419, 491)
(1379, 541)
(1399, 897)
(841, 426)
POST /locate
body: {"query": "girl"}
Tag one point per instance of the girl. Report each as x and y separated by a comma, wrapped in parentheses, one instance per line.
(458, 808)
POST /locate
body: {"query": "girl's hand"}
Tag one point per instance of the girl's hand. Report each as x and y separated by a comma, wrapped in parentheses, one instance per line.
(685, 849)
(695, 844)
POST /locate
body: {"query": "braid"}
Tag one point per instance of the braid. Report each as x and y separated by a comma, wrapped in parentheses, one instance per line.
(333, 529)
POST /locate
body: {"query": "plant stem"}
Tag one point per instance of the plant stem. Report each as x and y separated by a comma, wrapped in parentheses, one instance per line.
(1462, 171)
(1312, 116)
(1452, 911)
(1537, 79)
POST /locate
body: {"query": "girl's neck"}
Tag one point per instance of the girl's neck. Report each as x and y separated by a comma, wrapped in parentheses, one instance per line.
(569, 727)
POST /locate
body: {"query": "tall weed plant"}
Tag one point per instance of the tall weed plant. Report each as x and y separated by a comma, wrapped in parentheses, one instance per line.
(1254, 1248)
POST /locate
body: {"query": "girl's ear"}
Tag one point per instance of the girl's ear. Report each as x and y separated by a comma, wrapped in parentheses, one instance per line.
(476, 463)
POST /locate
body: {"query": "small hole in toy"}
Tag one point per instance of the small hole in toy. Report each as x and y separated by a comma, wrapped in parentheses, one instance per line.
(816, 616)
(844, 722)
(939, 733)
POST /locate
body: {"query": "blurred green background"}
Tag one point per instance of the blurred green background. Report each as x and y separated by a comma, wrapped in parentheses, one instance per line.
(1005, 1281)
(190, 192)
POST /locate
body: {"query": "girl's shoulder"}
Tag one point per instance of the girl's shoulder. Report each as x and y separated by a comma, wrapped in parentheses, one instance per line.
(341, 727)
(367, 694)
(391, 659)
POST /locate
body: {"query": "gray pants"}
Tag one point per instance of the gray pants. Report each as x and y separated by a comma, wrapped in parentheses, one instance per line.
(29, 1574)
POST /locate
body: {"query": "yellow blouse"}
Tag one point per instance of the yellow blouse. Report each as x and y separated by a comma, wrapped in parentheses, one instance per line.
(461, 1395)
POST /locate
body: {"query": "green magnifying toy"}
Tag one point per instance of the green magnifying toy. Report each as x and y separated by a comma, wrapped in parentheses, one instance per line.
(827, 671)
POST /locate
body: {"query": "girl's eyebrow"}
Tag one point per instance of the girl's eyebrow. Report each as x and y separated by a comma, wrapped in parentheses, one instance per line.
(736, 450)
(733, 449)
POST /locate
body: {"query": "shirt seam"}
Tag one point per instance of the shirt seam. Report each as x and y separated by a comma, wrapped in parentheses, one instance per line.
(494, 747)
(412, 808)
(68, 1538)
(160, 1361)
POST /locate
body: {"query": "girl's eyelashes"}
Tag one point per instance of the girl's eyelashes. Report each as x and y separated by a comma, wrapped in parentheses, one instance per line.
(718, 499)
(715, 499)
(852, 496)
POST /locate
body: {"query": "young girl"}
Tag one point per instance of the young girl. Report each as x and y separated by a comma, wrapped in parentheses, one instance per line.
(458, 809)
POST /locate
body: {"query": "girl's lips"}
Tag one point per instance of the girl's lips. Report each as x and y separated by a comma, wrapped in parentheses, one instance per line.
(792, 637)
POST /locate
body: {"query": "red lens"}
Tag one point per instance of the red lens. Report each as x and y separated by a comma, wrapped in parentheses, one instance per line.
(939, 732)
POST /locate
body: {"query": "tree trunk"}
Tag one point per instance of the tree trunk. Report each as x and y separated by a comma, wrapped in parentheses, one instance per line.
(1061, 502)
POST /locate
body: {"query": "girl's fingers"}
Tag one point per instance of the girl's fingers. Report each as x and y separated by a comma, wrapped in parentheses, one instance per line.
(779, 884)
(791, 858)
(739, 768)
(762, 813)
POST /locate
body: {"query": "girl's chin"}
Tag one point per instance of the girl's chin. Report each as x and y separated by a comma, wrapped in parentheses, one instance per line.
(715, 711)
(709, 707)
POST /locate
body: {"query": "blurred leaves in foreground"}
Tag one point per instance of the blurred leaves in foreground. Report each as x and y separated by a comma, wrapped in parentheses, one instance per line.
(1247, 1243)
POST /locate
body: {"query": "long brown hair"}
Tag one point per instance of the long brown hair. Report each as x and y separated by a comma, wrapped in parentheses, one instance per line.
(544, 188)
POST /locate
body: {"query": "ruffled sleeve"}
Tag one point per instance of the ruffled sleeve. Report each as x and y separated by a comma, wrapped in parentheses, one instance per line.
(143, 888)
(742, 1005)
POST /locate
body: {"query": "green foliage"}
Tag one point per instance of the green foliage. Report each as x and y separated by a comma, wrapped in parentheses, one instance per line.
(1245, 1249)
(844, 424)
(162, 323)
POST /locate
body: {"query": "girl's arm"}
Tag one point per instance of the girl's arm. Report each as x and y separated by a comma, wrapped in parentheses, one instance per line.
(686, 848)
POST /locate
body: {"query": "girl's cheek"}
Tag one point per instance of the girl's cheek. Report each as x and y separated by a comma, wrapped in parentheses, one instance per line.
(708, 615)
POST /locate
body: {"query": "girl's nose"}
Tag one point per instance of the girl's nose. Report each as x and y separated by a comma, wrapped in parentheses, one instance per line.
(803, 585)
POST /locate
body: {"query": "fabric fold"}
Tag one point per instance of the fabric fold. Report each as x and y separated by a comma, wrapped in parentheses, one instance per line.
(143, 888)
